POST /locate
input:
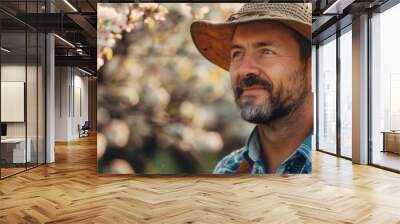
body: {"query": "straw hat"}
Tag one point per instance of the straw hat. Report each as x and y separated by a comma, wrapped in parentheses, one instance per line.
(213, 40)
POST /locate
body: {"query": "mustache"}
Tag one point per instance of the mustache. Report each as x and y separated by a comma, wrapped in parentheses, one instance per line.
(249, 81)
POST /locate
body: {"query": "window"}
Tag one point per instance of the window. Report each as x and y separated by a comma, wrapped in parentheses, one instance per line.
(327, 96)
(385, 89)
(346, 93)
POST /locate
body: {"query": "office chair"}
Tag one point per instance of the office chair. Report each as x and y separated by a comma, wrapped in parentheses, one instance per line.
(84, 130)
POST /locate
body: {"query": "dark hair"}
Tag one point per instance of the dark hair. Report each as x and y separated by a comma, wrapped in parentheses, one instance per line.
(304, 44)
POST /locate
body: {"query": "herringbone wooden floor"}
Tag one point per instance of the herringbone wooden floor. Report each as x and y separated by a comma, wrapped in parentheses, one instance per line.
(70, 191)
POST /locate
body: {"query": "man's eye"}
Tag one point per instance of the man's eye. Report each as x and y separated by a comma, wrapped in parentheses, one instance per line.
(267, 51)
(236, 54)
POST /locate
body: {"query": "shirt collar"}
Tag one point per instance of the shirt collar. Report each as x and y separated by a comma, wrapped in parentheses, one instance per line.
(253, 149)
(253, 145)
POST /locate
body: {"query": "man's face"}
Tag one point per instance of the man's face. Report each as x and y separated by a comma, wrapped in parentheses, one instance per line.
(268, 77)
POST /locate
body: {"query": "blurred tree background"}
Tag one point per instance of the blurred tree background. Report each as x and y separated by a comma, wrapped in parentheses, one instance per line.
(162, 107)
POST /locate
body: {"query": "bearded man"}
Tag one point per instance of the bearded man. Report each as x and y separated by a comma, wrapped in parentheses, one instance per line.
(266, 47)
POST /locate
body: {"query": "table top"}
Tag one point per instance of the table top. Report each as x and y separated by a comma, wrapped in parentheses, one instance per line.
(13, 140)
(391, 132)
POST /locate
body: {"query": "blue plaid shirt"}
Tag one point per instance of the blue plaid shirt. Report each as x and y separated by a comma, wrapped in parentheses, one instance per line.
(298, 163)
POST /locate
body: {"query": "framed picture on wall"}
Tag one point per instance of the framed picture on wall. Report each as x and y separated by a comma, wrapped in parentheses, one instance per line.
(204, 88)
(12, 101)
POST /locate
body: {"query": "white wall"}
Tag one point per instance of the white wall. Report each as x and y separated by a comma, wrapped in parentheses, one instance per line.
(12, 73)
(33, 127)
(70, 83)
(80, 109)
(61, 103)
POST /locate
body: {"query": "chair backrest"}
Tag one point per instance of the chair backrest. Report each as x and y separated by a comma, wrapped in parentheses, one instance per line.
(86, 125)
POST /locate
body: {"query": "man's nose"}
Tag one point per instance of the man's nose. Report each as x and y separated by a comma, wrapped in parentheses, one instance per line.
(248, 67)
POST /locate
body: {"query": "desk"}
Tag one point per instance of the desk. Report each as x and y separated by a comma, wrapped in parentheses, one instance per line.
(391, 141)
(16, 147)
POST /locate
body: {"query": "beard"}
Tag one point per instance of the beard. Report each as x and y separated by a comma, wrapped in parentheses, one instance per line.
(274, 107)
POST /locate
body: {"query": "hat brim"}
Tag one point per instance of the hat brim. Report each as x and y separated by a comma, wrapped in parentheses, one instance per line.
(213, 40)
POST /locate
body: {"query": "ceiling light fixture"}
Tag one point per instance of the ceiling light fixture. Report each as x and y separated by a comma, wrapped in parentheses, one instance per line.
(331, 7)
(86, 72)
(5, 50)
(65, 41)
(337, 7)
(70, 5)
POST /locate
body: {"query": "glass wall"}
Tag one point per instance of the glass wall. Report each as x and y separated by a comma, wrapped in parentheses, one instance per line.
(385, 89)
(327, 95)
(346, 92)
(334, 96)
(13, 109)
(22, 89)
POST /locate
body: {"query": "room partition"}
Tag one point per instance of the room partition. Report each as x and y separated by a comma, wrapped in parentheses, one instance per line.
(22, 77)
